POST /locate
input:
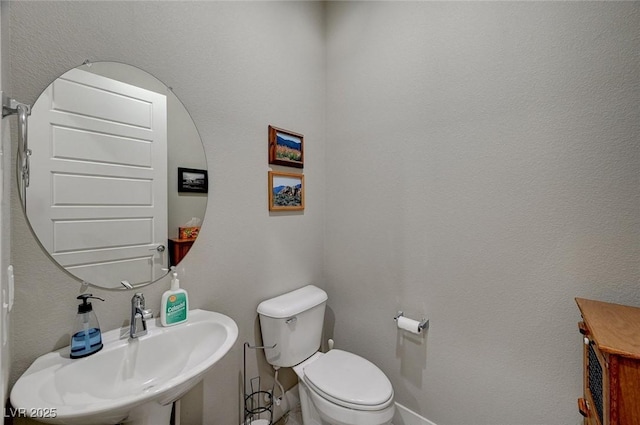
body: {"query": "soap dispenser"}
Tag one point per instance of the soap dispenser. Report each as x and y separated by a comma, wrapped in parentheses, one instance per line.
(86, 338)
(174, 307)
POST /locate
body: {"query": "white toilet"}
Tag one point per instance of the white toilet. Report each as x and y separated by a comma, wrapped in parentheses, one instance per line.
(336, 388)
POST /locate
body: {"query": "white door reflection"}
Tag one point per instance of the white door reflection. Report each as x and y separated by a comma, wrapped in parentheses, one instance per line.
(99, 184)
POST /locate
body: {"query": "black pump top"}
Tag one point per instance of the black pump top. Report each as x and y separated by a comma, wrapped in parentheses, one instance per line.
(86, 307)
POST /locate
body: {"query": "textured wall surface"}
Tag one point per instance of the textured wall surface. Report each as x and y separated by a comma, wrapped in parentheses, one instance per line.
(237, 69)
(483, 167)
(5, 213)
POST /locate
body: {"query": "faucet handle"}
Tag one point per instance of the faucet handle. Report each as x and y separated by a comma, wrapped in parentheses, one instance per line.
(144, 313)
(138, 311)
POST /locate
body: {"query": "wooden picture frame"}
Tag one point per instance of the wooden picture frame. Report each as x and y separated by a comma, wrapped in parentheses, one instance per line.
(193, 180)
(286, 147)
(286, 191)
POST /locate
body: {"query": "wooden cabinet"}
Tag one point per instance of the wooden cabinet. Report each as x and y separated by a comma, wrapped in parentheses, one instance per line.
(178, 248)
(611, 363)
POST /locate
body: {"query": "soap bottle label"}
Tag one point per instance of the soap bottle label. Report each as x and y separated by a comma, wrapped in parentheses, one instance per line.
(85, 342)
(176, 308)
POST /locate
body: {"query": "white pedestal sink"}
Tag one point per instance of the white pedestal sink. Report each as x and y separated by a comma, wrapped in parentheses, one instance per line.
(132, 381)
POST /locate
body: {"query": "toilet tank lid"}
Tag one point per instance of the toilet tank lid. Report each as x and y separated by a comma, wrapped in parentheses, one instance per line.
(292, 303)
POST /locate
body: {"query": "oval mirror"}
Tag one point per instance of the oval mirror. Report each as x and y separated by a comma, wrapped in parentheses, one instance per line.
(117, 183)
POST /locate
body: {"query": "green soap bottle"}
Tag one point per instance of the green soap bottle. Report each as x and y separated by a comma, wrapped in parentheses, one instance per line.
(174, 308)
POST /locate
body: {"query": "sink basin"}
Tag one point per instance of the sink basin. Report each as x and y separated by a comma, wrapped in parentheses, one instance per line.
(129, 380)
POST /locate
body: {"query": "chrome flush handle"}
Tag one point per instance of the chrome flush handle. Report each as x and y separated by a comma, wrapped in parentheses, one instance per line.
(291, 320)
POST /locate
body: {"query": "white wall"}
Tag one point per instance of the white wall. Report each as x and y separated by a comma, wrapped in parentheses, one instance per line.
(238, 67)
(483, 167)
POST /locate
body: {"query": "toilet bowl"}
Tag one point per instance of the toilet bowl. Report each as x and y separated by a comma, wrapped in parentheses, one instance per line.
(341, 388)
(337, 387)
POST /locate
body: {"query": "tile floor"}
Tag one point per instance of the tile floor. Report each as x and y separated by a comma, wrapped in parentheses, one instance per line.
(293, 418)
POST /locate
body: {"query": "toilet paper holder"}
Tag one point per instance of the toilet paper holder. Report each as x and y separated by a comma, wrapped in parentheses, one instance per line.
(423, 325)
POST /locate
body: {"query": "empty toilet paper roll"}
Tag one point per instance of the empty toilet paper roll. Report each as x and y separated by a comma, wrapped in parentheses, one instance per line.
(409, 325)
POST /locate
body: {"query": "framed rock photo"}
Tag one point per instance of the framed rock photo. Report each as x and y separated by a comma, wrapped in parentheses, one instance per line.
(286, 191)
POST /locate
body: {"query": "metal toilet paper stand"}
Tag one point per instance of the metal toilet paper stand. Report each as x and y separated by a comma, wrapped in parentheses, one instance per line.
(258, 403)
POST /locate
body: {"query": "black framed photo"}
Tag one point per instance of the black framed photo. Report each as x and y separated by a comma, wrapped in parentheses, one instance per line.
(193, 180)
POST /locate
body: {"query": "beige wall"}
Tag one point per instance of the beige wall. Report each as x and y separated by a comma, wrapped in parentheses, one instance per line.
(483, 168)
(238, 67)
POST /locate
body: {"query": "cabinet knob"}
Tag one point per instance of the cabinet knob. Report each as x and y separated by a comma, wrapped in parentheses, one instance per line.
(582, 327)
(583, 407)
(586, 341)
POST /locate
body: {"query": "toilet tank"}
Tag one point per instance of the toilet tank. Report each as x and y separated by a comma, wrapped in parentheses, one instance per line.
(293, 321)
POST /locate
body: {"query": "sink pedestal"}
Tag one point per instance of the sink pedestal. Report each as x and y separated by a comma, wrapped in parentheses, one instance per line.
(150, 413)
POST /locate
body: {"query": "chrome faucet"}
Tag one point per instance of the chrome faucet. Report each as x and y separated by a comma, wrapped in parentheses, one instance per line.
(138, 312)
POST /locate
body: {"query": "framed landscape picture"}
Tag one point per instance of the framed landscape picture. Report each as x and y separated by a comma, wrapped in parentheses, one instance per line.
(286, 191)
(192, 180)
(286, 147)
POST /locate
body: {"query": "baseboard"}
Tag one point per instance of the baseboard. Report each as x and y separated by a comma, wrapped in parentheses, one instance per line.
(404, 416)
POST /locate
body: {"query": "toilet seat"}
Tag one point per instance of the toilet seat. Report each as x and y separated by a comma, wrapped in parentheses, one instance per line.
(349, 380)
